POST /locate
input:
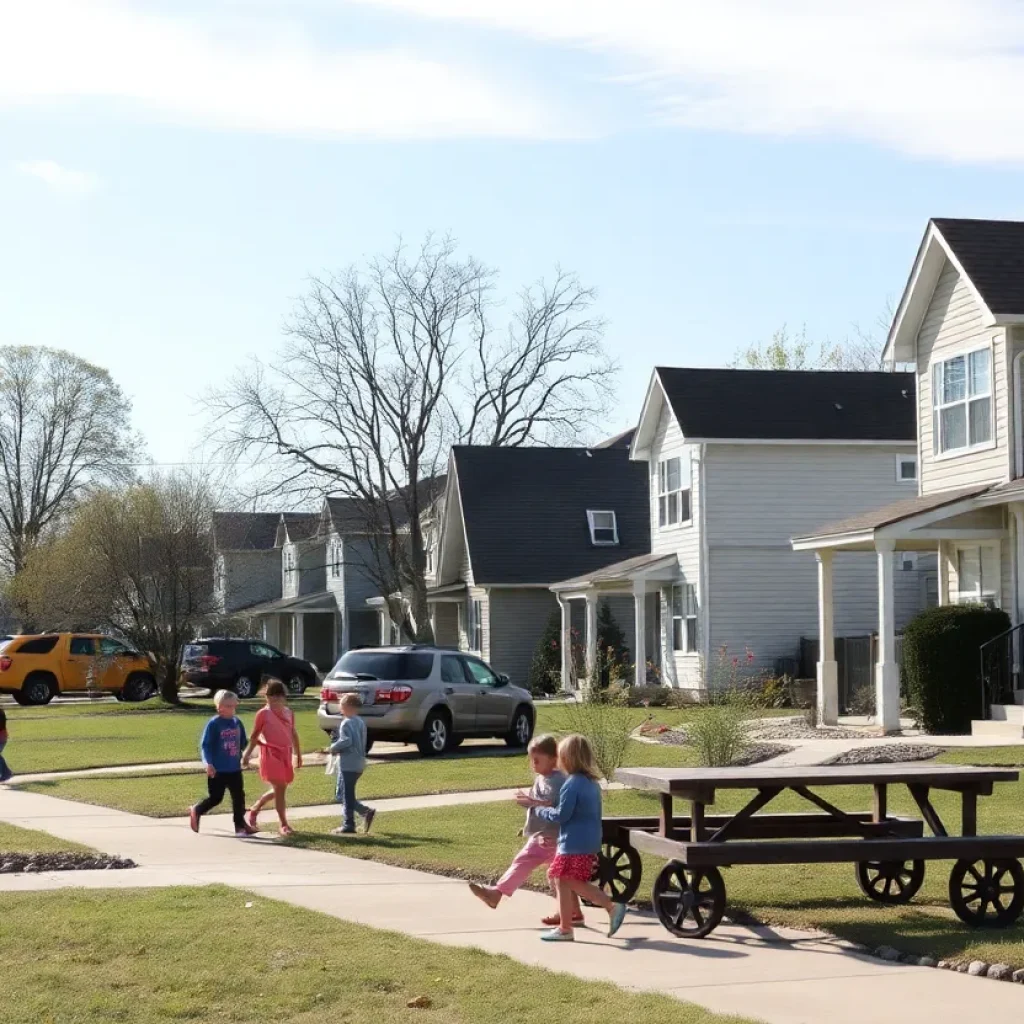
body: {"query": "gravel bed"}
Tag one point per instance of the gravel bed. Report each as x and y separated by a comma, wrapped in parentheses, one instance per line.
(758, 752)
(888, 753)
(800, 730)
(11, 863)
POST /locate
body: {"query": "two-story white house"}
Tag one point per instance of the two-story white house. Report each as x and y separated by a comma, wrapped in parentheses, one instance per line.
(738, 462)
(961, 323)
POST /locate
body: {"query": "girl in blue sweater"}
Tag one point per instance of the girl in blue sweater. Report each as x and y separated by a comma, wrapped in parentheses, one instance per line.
(578, 816)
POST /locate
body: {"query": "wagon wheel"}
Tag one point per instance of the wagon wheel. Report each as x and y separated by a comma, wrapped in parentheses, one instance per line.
(689, 902)
(890, 881)
(618, 871)
(987, 893)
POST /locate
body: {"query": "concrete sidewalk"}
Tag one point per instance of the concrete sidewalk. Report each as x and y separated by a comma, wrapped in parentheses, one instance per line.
(781, 977)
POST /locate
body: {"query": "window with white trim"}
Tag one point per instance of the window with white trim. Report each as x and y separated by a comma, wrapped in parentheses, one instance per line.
(977, 575)
(906, 469)
(604, 531)
(907, 560)
(962, 402)
(684, 618)
(673, 491)
(335, 559)
(476, 626)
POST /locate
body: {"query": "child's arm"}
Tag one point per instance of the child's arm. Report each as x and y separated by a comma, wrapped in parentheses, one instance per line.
(257, 729)
(565, 809)
(206, 746)
(343, 742)
(296, 746)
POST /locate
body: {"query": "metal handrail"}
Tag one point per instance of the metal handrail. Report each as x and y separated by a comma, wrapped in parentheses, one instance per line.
(986, 702)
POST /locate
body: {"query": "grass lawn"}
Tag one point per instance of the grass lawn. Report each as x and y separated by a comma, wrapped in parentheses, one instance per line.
(478, 842)
(139, 957)
(169, 794)
(27, 840)
(986, 756)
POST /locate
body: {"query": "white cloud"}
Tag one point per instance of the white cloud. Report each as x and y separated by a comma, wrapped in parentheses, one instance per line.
(60, 179)
(936, 78)
(237, 71)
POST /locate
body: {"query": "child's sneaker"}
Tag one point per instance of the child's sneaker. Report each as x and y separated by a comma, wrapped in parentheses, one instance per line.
(193, 819)
(250, 820)
(342, 831)
(618, 912)
(487, 894)
(368, 820)
(242, 833)
(557, 935)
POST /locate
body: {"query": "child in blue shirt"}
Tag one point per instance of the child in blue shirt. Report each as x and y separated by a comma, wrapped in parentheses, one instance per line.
(221, 750)
(578, 815)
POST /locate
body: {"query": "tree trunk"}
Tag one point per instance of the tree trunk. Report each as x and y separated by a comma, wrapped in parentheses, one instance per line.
(168, 673)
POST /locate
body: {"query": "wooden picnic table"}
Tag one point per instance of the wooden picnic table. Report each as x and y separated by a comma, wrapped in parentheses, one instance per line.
(986, 883)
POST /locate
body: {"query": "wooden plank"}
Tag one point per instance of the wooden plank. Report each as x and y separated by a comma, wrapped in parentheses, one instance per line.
(696, 821)
(928, 812)
(969, 813)
(689, 782)
(739, 822)
(880, 810)
(799, 825)
(665, 826)
(829, 851)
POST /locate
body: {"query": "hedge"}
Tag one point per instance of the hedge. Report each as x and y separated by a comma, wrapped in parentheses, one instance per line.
(942, 664)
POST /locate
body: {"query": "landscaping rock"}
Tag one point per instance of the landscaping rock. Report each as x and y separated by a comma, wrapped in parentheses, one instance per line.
(945, 965)
(887, 953)
(927, 961)
(1018, 976)
(887, 753)
(1001, 972)
(798, 729)
(35, 862)
(977, 968)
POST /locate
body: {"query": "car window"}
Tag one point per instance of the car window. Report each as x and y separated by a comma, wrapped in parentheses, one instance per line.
(38, 645)
(386, 664)
(83, 645)
(452, 670)
(263, 651)
(480, 672)
(111, 647)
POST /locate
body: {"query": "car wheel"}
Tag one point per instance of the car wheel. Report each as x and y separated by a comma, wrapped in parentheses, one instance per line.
(296, 685)
(369, 745)
(138, 688)
(245, 687)
(38, 690)
(435, 736)
(522, 728)
(19, 698)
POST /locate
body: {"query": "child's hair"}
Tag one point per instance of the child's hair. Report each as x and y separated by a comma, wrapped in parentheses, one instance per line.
(577, 757)
(351, 700)
(546, 745)
(224, 697)
(275, 688)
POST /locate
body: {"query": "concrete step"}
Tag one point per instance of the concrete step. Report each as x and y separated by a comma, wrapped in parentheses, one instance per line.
(998, 730)
(1007, 713)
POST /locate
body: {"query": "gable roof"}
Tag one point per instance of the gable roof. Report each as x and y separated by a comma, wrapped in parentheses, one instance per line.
(525, 510)
(245, 531)
(790, 405)
(354, 515)
(623, 440)
(299, 525)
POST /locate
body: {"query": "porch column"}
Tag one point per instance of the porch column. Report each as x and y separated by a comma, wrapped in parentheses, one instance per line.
(887, 673)
(828, 672)
(565, 643)
(1018, 560)
(640, 629)
(298, 636)
(943, 575)
(591, 637)
(385, 625)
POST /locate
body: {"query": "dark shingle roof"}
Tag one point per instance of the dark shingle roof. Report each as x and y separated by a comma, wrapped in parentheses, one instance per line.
(525, 510)
(623, 440)
(355, 514)
(301, 525)
(245, 531)
(791, 405)
(992, 255)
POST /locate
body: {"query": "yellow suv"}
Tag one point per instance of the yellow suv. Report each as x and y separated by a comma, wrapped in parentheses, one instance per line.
(35, 669)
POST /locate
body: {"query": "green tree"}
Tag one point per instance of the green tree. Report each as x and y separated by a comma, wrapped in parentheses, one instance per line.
(795, 351)
(547, 658)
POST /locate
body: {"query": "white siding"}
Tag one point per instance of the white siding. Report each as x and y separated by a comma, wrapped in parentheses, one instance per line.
(954, 324)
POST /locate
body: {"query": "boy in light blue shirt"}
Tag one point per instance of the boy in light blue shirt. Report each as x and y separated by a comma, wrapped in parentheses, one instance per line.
(350, 752)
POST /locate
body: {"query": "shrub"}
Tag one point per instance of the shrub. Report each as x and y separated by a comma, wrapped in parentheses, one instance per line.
(942, 667)
(546, 666)
(640, 696)
(718, 734)
(600, 716)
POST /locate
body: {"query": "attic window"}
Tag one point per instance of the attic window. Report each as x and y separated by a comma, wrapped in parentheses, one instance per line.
(604, 531)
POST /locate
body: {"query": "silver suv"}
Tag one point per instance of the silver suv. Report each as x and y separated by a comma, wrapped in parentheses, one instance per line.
(431, 696)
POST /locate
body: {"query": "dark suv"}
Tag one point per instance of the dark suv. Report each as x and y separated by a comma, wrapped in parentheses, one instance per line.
(243, 666)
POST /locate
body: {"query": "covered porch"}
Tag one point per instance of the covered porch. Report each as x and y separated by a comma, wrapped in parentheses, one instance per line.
(640, 579)
(976, 533)
(305, 627)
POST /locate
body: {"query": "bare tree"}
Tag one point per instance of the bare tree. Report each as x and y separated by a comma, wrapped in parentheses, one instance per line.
(64, 426)
(133, 561)
(389, 365)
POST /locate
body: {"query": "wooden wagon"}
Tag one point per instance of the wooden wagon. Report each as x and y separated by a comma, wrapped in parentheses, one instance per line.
(986, 884)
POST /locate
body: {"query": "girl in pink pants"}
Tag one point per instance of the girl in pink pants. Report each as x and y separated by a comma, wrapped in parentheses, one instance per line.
(541, 836)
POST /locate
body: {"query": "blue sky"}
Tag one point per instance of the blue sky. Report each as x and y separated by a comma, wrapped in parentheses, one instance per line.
(170, 174)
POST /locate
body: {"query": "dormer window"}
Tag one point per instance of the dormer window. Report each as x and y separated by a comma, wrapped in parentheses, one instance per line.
(604, 531)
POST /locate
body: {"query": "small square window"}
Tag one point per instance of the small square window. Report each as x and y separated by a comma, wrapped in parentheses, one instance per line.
(604, 531)
(906, 469)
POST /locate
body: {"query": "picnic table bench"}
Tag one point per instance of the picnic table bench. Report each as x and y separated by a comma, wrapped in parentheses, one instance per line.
(986, 885)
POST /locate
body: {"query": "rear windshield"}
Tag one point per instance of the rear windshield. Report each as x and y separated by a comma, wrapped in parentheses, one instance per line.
(193, 651)
(38, 645)
(388, 665)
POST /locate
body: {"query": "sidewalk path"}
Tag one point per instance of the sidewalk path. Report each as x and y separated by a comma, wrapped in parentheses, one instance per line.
(781, 977)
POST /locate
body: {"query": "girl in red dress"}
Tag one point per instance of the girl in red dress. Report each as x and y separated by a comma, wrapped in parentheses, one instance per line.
(278, 741)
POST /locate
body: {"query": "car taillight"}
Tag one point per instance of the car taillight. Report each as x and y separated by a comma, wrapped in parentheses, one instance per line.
(207, 661)
(327, 695)
(5, 663)
(393, 695)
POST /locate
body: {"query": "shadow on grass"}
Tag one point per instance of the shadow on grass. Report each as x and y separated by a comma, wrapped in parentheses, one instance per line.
(363, 845)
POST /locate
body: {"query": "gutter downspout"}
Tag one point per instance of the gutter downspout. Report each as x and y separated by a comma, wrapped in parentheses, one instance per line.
(704, 575)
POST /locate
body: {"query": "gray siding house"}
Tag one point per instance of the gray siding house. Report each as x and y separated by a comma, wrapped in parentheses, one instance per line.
(247, 562)
(961, 323)
(516, 520)
(738, 462)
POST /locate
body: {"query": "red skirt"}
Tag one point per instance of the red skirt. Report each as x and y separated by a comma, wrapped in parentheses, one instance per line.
(577, 866)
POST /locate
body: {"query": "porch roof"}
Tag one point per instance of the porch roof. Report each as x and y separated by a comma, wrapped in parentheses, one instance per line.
(627, 571)
(893, 520)
(448, 592)
(321, 602)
